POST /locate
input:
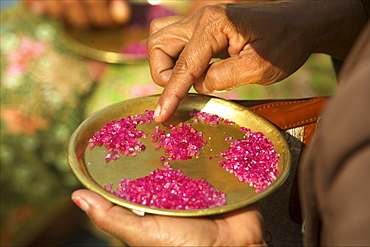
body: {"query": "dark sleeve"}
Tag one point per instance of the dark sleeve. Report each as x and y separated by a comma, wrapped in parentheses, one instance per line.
(343, 175)
(337, 64)
(334, 179)
(367, 7)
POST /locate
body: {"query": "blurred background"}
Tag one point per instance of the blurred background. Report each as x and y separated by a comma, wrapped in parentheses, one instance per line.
(54, 75)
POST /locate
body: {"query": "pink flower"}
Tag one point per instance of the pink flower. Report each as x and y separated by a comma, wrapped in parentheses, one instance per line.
(21, 58)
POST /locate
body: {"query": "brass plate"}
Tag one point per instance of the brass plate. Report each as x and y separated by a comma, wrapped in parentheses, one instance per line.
(94, 173)
(105, 45)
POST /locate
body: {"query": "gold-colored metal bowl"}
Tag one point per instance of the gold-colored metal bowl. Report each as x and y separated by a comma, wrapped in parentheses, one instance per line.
(105, 45)
(89, 165)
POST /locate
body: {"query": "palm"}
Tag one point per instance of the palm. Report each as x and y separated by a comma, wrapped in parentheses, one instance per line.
(241, 228)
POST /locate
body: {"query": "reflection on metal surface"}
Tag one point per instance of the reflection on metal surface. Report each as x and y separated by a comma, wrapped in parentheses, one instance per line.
(94, 172)
(106, 45)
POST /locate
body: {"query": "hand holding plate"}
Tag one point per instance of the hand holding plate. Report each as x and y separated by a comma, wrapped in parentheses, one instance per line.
(239, 228)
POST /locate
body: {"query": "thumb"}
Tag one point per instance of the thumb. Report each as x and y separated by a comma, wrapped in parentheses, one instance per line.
(232, 72)
(113, 219)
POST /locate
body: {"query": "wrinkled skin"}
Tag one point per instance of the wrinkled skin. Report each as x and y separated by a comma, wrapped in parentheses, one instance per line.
(240, 228)
(84, 13)
(260, 43)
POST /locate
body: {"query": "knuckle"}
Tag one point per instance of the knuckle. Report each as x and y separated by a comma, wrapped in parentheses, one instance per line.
(182, 69)
(152, 43)
(211, 25)
(181, 65)
(155, 25)
(177, 94)
(212, 12)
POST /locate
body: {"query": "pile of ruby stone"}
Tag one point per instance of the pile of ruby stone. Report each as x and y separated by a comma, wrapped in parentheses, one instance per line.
(212, 119)
(252, 159)
(122, 136)
(169, 189)
(182, 143)
(163, 188)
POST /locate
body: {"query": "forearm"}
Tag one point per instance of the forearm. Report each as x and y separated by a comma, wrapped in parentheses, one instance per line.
(336, 25)
(320, 26)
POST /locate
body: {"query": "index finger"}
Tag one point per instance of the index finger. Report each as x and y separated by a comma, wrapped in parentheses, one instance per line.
(193, 61)
(188, 68)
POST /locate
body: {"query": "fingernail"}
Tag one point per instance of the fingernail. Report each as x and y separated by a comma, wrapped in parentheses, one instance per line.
(81, 203)
(120, 11)
(205, 89)
(157, 112)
